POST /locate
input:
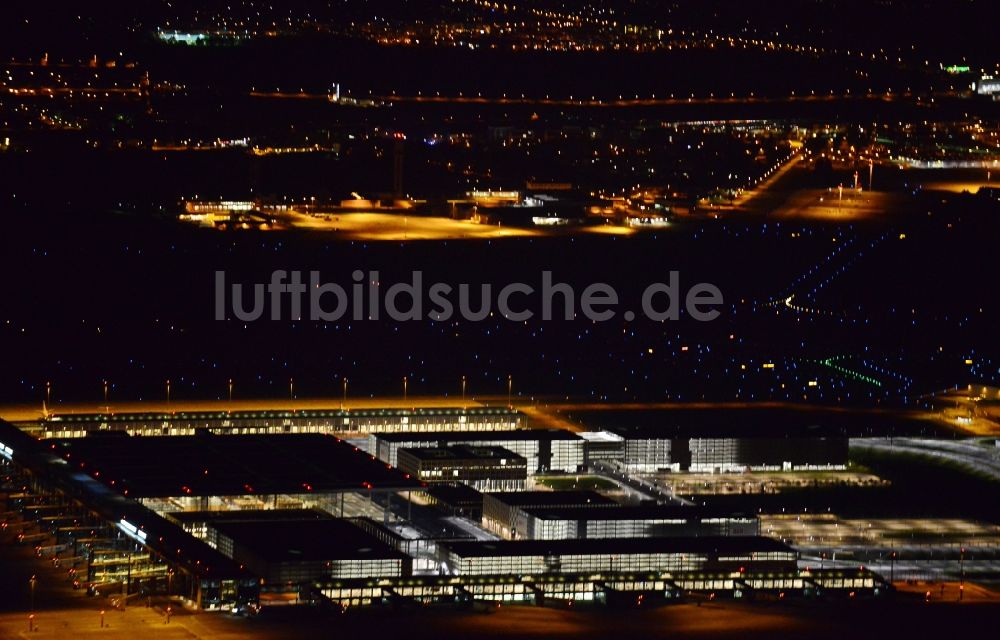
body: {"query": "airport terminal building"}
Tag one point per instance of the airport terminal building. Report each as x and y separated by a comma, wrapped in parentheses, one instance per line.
(228, 520)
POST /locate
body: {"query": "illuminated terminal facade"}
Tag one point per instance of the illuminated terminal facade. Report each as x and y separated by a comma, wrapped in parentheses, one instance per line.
(484, 468)
(503, 513)
(545, 450)
(726, 440)
(297, 552)
(619, 589)
(185, 423)
(650, 450)
(640, 521)
(627, 555)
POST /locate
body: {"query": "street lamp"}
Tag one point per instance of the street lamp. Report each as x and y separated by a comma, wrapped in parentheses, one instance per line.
(32, 582)
(343, 403)
(961, 568)
(510, 388)
(463, 392)
(230, 391)
(404, 389)
(168, 393)
(128, 580)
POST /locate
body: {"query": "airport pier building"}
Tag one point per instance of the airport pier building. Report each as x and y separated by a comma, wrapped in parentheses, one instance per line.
(74, 425)
(618, 589)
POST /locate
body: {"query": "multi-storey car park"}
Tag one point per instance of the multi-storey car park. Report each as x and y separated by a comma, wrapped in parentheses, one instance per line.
(737, 440)
(483, 468)
(544, 449)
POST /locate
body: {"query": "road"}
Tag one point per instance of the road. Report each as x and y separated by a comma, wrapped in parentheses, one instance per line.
(642, 488)
(573, 101)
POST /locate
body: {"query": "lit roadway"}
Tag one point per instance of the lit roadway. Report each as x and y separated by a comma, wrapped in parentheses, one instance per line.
(588, 102)
(638, 485)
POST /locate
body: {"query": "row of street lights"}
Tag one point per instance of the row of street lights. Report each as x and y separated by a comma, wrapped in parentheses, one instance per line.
(291, 391)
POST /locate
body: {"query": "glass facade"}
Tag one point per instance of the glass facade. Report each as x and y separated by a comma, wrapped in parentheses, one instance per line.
(572, 563)
(543, 453)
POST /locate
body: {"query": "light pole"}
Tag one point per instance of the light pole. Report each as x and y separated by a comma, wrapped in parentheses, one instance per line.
(510, 389)
(48, 394)
(343, 403)
(463, 392)
(168, 393)
(230, 391)
(107, 407)
(32, 582)
(961, 569)
(404, 389)
(128, 580)
(291, 389)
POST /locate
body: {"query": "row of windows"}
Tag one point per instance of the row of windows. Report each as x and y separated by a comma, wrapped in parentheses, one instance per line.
(792, 583)
(357, 414)
(567, 455)
(647, 454)
(367, 568)
(575, 590)
(761, 555)
(704, 585)
(527, 565)
(264, 428)
(847, 583)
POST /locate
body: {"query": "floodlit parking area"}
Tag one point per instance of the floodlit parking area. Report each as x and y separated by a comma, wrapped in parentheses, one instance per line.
(688, 484)
(828, 529)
